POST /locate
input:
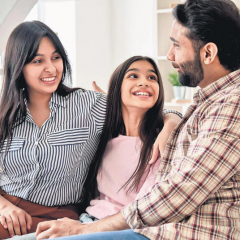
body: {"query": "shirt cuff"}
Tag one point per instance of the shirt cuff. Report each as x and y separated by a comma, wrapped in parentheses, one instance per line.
(131, 215)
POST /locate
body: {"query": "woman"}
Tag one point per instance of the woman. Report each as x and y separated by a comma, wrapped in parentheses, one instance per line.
(48, 132)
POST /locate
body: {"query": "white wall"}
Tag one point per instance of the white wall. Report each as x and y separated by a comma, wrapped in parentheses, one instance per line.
(109, 32)
(237, 2)
(5, 8)
(133, 24)
(93, 42)
(59, 15)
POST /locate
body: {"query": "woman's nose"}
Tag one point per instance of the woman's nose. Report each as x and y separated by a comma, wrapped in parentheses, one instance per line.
(50, 68)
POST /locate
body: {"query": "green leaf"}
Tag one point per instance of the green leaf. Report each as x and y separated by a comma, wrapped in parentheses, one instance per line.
(173, 78)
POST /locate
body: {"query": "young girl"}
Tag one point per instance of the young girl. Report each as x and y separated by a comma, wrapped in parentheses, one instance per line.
(133, 120)
(48, 132)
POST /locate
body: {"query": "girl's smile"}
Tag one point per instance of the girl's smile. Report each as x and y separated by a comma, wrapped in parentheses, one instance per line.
(140, 87)
(142, 93)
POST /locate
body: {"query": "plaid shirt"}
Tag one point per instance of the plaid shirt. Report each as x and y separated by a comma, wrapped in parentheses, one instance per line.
(197, 191)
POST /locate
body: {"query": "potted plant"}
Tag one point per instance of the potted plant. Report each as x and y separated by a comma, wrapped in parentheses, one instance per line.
(178, 88)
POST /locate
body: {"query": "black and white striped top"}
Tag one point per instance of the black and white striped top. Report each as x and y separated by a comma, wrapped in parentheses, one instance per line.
(48, 166)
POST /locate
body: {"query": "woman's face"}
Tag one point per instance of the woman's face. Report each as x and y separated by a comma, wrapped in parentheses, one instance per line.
(44, 73)
(140, 88)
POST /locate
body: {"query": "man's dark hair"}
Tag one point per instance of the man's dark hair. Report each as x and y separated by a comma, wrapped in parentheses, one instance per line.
(216, 21)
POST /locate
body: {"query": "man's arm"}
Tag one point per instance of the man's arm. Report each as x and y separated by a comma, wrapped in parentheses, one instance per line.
(211, 159)
(171, 120)
(68, 227)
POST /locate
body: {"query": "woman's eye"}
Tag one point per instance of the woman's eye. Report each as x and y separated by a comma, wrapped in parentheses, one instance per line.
(56, 57)
(175, 45)
(37, 61)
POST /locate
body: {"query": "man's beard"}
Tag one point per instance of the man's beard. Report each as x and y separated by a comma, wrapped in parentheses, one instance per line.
(192, 73)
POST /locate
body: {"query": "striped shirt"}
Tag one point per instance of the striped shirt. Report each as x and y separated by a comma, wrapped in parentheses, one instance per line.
(48, 166)
(197, 190)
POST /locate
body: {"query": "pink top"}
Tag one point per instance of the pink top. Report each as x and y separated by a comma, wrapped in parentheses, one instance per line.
(120, 159)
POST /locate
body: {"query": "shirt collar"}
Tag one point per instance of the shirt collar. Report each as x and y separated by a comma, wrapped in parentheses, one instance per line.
(55, 99)
(58, 100)
(219, 85)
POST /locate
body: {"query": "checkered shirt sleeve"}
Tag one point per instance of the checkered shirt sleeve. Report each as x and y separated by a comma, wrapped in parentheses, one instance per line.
(200, 163)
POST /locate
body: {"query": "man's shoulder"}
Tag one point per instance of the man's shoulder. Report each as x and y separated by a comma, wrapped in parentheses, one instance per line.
(232, 93)
(226, 88)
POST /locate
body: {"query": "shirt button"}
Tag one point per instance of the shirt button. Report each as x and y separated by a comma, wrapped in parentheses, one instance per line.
(36, 143)
(32, 181)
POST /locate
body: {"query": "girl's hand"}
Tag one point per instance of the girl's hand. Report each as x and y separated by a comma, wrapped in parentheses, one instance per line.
(171, 120)
(16, 220)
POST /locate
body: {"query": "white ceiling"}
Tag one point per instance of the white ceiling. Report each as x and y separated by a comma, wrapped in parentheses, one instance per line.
(12, 13)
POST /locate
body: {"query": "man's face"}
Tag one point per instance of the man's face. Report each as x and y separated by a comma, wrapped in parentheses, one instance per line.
(185, 58)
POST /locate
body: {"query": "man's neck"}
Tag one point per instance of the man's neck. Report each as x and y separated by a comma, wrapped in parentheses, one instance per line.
(212, 74)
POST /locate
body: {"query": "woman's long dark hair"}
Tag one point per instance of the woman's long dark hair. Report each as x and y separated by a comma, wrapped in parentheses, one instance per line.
(22, 47)
(149, 128)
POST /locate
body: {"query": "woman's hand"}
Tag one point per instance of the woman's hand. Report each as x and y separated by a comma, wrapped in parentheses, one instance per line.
(171, 120)
(16, 220)
(97, 88)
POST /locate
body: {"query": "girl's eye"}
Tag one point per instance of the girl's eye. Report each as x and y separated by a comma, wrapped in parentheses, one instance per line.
(133, 76)
(152, 78)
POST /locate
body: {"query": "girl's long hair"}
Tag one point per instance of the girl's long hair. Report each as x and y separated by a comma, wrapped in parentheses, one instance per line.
(149, 128)
(22, 47)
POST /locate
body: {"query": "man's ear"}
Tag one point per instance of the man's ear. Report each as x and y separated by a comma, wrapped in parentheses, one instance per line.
(209, 51)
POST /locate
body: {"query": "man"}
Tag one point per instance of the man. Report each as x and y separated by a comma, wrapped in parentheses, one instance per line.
(197, 191)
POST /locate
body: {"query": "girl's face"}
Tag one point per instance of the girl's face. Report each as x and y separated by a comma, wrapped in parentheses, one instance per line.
(44, 73)
(140, 88)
